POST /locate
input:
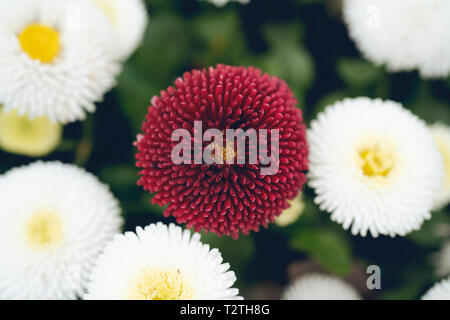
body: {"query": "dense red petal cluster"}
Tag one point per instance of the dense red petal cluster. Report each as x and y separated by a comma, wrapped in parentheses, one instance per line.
(224, 199)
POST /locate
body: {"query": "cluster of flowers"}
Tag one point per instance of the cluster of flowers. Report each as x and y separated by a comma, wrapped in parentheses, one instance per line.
(62, 219)
(403, 35)
(375, 167)
(58, 58)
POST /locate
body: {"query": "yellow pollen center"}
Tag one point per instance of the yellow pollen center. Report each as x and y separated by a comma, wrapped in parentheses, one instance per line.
(227, 153)
(376, 162)
(44, 230)
(40, 42)
(156, 284)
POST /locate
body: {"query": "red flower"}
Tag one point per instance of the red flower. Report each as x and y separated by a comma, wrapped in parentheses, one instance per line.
(223, 198)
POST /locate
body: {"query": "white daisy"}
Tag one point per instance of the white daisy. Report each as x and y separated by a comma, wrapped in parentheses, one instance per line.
(55, 58)
(374, 165)
(291, 214)
(160, 263)
(221, 3)
(34, 138)
(441, 260)
(402, 34)
(129, 19)
(441, 134)
(440, 291)
(55, 220)
(320, 287)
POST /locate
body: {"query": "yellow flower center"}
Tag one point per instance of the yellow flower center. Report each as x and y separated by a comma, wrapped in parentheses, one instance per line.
(44, 230)
(227, 153)
(156, 284)
(376, 162)
(108, 9)
(40, 42)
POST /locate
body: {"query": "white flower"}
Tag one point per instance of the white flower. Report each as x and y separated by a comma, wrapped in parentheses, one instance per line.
(55, 219)
(221, 3)
(441, 134)
(33, 138)
(291, 214)
(160, 263)
(442, 260)
(128, 19)
(402, 34)
(320, 287)
(440, 291)
(55, 58)
(374, 165)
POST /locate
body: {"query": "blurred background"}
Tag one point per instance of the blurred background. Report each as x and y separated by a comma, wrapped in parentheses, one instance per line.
(306, 43)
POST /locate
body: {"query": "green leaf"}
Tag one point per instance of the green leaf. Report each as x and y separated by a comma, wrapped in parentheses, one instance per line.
(426, 106)
(357, 72)
(329, 99)
(326, 247)
(165, 49)
(160, 5)
(293, 64)
(430, 234)
(220, 39)
(407, 292)
(280, 35)
(410, 283)
(287, 58)
(134, 94)
(154, 67)
(119, 176)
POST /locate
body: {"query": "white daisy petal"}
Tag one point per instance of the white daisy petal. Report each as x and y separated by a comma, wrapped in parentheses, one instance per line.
(55, 219)
(320, 287)
(62, 79)
(440, 291)
(128, 19)
(402, 34)
(441, 134)
(374, 166)
(161, 263)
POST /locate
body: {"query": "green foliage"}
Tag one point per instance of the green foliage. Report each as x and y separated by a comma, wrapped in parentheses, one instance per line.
(425, 104)
(119, 176)
(433, 232)
(357, 72)
(330, 99)
(287, 58)
(327, 247)
(219, 39)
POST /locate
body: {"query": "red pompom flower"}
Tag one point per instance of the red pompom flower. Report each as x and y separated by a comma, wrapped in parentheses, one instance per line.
(223, 197)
